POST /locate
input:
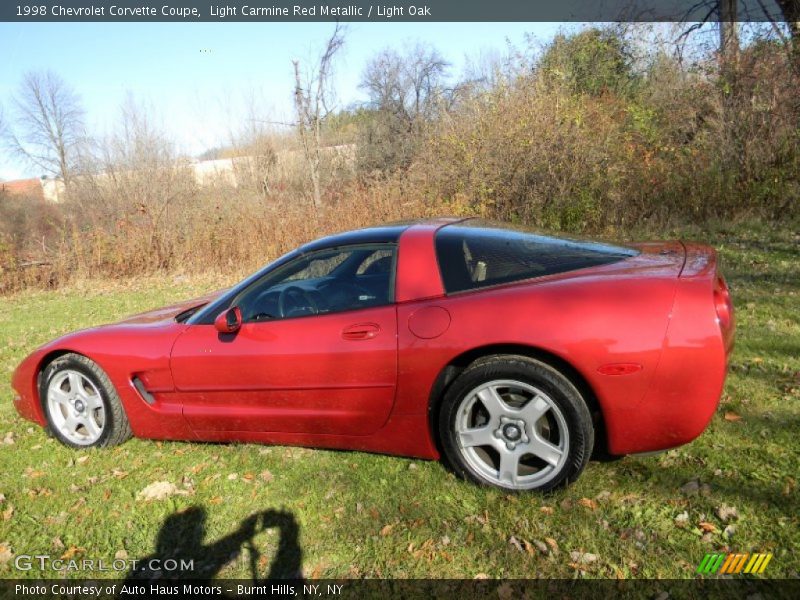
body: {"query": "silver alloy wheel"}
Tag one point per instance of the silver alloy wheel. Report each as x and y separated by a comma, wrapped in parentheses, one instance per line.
(512, 434)
(76, 407)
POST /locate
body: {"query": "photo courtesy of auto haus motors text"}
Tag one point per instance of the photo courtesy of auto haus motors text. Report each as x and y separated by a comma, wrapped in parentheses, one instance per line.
(123, 590)
(404, 299)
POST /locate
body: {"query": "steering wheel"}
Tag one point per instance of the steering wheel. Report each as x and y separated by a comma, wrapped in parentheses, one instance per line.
(292, 294)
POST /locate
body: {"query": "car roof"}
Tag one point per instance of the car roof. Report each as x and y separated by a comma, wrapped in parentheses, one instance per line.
(383, 234)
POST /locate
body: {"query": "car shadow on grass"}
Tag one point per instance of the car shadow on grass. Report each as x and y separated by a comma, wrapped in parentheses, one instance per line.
(698, 486)
(182, 554)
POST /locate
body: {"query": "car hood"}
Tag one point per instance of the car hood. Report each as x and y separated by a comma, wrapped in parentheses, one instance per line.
(168, 313)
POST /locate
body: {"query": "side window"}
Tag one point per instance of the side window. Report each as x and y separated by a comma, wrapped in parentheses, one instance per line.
(327, 281)
(471, 257)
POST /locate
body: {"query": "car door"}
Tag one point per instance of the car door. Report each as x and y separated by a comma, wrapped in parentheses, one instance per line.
(316, 353)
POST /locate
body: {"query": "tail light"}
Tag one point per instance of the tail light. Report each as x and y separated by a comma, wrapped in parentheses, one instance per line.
(722, 303)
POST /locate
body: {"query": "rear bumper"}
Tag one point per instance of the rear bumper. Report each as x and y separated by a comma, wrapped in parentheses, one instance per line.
(686, 388)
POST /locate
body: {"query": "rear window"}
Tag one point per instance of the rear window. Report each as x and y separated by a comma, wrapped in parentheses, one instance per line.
(477, 254)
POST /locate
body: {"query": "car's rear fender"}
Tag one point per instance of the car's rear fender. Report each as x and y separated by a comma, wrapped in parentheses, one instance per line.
(686, 387)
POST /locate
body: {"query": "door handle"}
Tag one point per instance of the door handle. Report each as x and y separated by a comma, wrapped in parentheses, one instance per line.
(361, 331)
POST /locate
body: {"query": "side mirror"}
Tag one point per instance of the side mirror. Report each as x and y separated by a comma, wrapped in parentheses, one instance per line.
(229, 321)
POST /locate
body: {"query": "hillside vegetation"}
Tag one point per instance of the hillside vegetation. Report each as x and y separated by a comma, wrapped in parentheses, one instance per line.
(599, 131)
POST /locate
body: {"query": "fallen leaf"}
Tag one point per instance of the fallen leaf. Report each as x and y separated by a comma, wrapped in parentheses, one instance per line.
(603, 496)
(682, 520)
(8, 513)
(588, 503)
(71, 552)
(516, 543)
(57, 543)
(481, 576)
(707, 527)
(233, 476)
(691, 487)
(316, 572)
(5, 553)
(729, 531)
(9, 438)
(216, 500)
(541, 546)
(387, 529)
(582, 557)
(726, 513)
(160, 490)
(266, 475)
(121, 554)
(732, 416)
(548, 510)
(81, 459)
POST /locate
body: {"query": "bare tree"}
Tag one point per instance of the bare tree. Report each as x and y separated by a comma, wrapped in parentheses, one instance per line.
(405, 92)
(728, 36)
(313, 95)
(137, 176)
(49, 124)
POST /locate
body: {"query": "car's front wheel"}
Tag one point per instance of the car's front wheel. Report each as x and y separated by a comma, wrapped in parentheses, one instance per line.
(82, 407)
(515, 423)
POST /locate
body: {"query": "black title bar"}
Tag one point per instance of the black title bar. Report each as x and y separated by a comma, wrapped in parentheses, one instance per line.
(360, 10)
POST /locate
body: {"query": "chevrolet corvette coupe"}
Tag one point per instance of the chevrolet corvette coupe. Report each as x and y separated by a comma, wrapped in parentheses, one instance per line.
(511, 355)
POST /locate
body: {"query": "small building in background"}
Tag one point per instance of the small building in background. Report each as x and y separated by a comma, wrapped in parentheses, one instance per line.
(24, 188)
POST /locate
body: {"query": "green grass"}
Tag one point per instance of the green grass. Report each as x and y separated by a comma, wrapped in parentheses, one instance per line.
(366, 515)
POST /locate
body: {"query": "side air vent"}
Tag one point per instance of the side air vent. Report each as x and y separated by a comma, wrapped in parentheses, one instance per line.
(148, 397)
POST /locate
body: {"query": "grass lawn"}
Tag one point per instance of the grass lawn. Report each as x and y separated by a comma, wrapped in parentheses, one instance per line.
(348, 514)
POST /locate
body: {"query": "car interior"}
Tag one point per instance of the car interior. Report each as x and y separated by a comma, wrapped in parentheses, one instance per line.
(323, 282)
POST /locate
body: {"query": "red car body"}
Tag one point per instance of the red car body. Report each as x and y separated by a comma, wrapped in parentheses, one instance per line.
(646, 338)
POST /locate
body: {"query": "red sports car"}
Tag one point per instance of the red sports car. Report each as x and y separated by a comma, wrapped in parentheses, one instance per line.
(509, 354)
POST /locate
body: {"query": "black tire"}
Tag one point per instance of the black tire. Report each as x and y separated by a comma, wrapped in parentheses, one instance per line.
(564, 397)
(115, 428)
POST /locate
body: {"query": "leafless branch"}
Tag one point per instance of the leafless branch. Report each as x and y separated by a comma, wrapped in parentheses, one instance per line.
(49, 124)
(312, 98)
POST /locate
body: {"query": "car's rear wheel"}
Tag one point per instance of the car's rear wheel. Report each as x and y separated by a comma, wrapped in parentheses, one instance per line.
(515, 423)
(82, 407)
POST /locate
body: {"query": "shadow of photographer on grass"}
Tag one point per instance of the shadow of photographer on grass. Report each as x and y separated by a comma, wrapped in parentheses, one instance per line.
(182, 554)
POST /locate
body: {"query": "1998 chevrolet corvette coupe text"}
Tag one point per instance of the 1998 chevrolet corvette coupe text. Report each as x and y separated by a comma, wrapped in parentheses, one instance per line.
(510, 355)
